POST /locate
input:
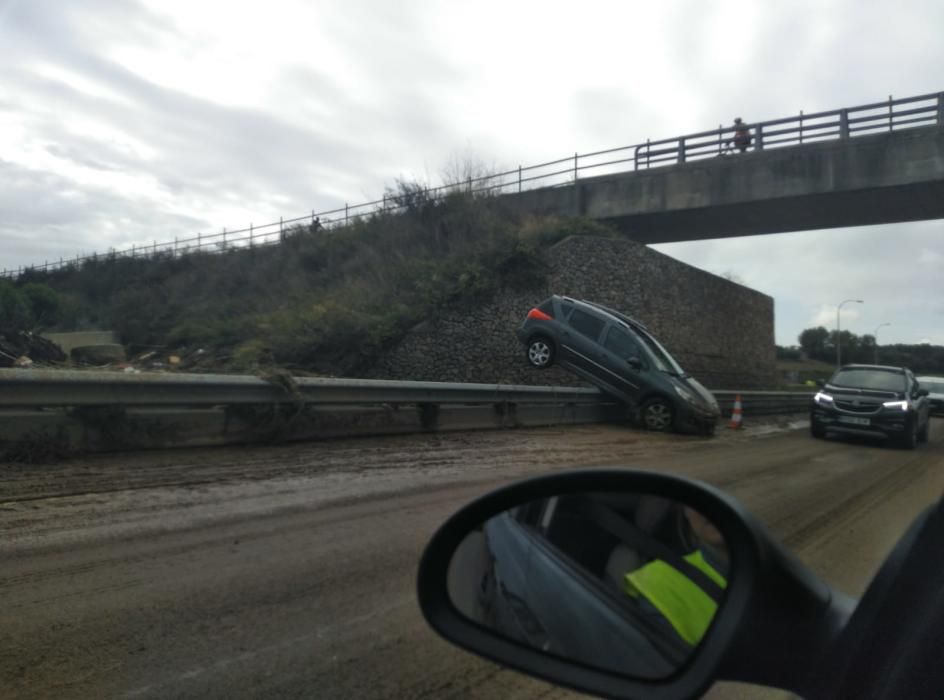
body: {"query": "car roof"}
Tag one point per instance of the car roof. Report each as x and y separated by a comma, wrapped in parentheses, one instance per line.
(929, 378)
(883, 368)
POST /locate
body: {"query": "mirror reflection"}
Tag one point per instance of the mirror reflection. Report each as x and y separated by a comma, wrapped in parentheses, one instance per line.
(625, 582)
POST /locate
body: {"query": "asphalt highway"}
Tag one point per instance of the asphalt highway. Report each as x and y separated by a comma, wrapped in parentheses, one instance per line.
(289, 571)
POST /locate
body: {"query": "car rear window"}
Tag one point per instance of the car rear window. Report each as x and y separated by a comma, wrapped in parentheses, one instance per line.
(566, 308)
(876, 379)
(584, 323)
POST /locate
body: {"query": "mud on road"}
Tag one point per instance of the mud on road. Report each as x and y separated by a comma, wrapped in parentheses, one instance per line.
(288, 571)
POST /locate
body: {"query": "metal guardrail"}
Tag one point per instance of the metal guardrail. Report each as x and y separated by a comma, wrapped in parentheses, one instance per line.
(51, 388)
(840, 124)
(47, 388)
(764, 403)
(70, 411)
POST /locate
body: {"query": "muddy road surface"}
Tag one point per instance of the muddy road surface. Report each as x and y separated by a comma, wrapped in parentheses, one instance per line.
(289, 571)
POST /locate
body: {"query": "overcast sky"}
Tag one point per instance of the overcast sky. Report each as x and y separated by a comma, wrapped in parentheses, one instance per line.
(125, 121)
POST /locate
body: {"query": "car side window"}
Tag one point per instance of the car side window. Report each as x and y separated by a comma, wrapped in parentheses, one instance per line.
(620, 343)
(587, 325)
(566, 308)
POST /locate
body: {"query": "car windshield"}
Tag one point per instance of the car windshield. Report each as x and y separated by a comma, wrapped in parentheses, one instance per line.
(663, 360)
(877, 379)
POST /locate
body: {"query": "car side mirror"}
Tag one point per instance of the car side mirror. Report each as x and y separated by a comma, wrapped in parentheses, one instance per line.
(626, 584)
(634, 362)
(923, 392)
(820, 383)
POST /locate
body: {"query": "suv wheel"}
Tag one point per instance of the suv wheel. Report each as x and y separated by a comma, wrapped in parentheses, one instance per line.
(923, 433)
(657, 414)
(540, 352)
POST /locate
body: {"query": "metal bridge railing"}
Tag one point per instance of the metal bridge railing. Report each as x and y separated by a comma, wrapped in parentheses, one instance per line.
(840, 124)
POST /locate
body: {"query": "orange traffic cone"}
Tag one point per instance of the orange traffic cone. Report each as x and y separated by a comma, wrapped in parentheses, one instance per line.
(735, 423)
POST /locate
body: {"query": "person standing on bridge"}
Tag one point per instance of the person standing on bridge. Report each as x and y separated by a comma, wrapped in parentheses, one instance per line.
(742, 135)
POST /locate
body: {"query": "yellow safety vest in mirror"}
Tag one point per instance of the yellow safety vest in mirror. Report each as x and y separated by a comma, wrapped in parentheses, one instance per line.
(681, 601)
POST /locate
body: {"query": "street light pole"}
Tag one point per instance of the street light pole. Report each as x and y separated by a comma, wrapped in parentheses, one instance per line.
(875, 335)
(838, 335)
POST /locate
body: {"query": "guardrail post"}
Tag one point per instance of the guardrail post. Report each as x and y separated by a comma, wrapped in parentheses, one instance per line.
(199, 240)
(843, 123)
(940, 109)
(681, 151)
(132, 255)
(759, 137)
(175, 246)
(346, 218)
(250, 235)
(519, 167)
(224, 238)
(281, 232)
(801, 126)
(891, 122)
(575, 167)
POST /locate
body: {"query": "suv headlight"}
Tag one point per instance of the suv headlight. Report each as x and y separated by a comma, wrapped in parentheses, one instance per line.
(823, 399)
(899, 405)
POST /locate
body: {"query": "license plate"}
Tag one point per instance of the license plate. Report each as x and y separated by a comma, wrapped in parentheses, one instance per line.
(852, 420)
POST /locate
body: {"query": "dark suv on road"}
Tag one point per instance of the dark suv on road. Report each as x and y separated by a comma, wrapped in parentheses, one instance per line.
(622, 358)
(872, 400)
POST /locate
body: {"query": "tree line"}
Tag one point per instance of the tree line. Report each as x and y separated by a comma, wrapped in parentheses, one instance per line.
(819, 343)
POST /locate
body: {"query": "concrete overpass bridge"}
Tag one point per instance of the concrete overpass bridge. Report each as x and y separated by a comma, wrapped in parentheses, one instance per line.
(874, 164)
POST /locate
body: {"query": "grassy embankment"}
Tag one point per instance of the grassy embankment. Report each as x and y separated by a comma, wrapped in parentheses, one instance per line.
(320, 302)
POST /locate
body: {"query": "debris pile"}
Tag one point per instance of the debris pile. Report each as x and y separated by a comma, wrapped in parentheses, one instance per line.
(24, 349)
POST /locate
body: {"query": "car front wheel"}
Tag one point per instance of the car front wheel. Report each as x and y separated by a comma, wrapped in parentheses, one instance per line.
(657, 414)
(540, 353)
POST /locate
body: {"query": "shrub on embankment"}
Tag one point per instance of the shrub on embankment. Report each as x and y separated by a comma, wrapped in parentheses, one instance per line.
(326, 302)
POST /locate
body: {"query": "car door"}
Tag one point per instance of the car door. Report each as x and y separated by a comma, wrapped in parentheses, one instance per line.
(622, 360)
(580, 343)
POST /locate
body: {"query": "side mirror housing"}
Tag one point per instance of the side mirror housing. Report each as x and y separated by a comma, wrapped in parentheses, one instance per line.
(634, 362)
(475, 591)
(923, 392)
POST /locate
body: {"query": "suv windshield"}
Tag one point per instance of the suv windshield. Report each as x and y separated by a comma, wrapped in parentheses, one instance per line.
(877, 379)
(663, 360)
